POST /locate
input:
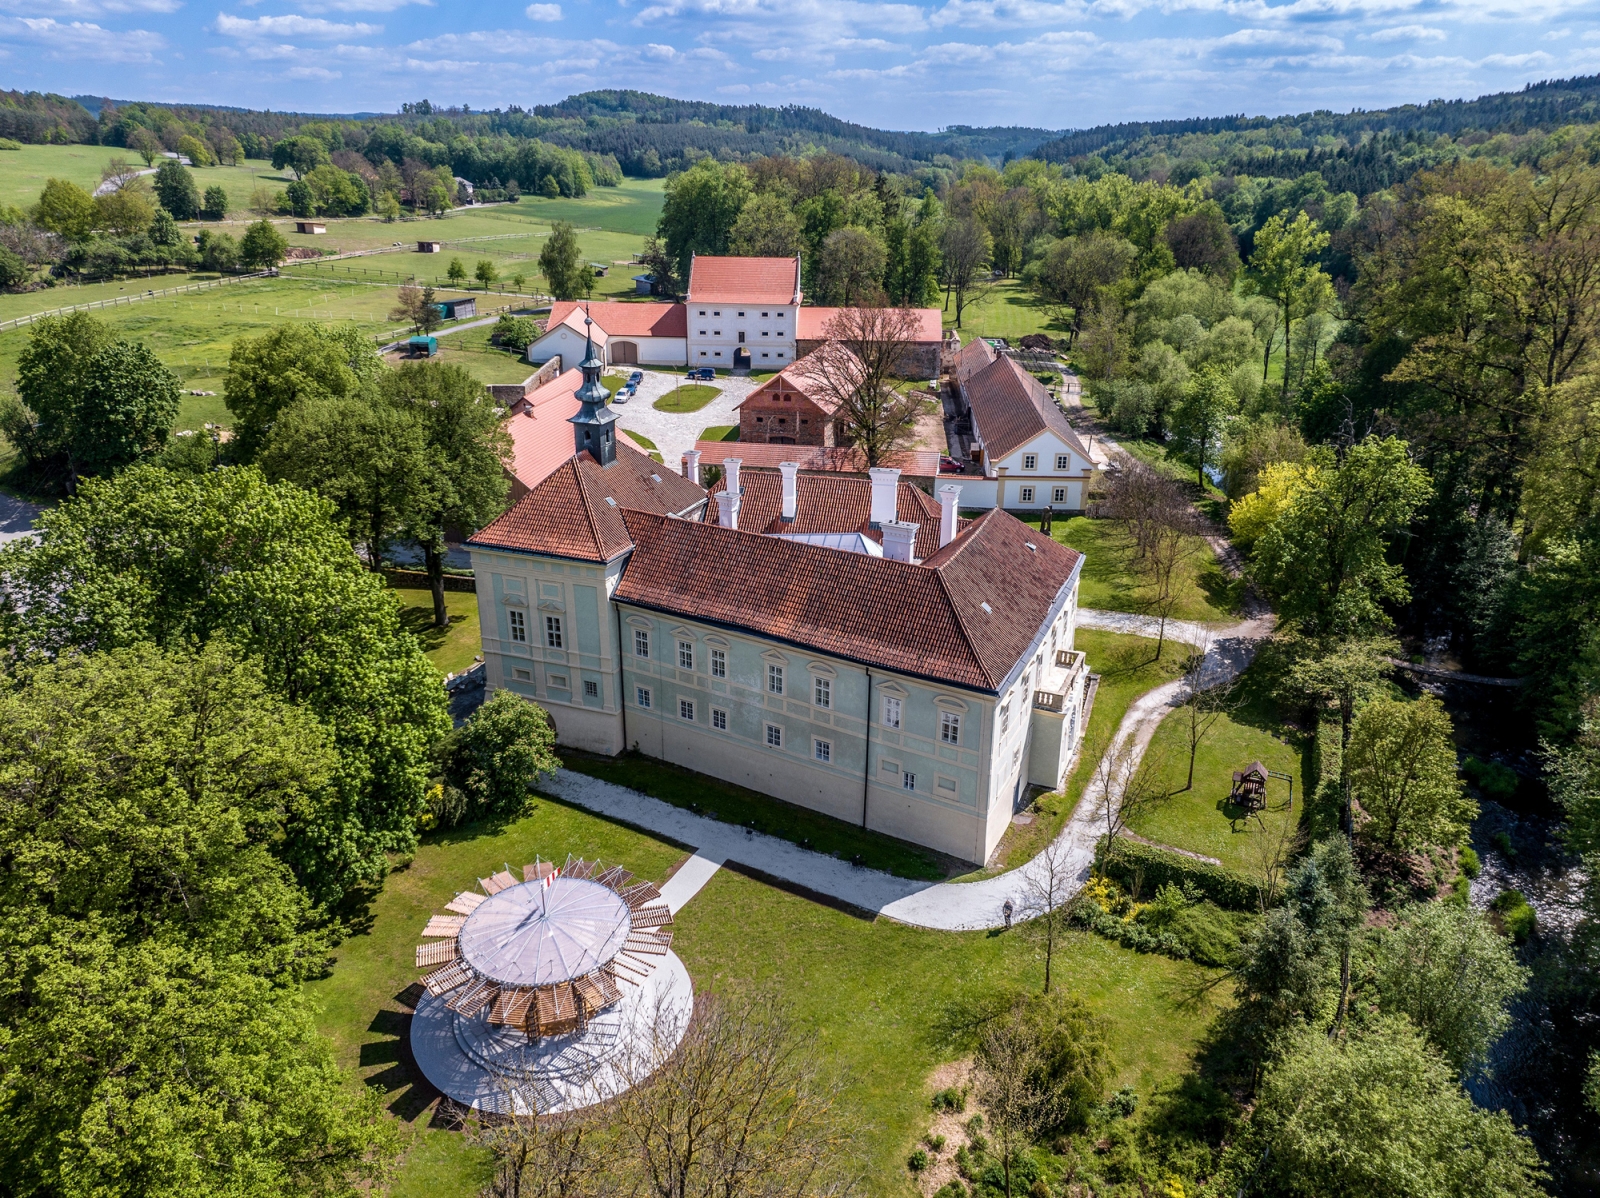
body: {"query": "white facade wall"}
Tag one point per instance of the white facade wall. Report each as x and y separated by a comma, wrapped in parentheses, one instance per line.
(715, 330)
(1046, 472)
(569, 342)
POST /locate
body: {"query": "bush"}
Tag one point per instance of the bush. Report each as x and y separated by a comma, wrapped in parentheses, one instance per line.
(1495, 781)
(516, 332)
(1211, 934)
(7, 144)
(950, 1099)
(494, 759)
(1470, 865)
(934, 1143)
(952, 1189)
(917, 1161)
(1516, 917)
(215, 204)
(1153, 868)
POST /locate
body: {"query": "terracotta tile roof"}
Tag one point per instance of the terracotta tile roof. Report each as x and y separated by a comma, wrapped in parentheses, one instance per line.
(836, 459)
(811, 324)
(568, 515)
(973, 357)
(925, 620)
(721, 280)
(541, 438)
(808, 376)
(616, 319)
(826, 503)
(1010, 408)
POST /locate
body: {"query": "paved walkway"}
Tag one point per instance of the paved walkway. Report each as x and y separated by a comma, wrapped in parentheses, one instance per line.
(673, 433)
(16, 518)
(946, 906)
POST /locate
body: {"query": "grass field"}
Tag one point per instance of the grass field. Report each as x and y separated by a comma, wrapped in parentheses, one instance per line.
(23, 172)
(450, 649)
(871, 997)
(1127, 667)
(689, 397)
(1004, 309)
(487, 363)
(1109, 582)
(720, 432)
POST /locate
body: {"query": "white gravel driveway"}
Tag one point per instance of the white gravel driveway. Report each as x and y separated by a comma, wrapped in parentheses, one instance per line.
(674, 433)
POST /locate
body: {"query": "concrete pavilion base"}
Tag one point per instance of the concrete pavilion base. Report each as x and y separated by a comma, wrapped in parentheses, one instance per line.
(500, 1070)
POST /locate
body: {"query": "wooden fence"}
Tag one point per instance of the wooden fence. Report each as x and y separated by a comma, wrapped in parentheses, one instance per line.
(19, 321)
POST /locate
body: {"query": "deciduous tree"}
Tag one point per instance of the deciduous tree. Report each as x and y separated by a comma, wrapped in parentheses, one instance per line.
(1403, 772)
(699, 210)
(65, 209)
(561, 263)
(269, 373)
(262, 247)
(965, 251)
(856, 368)
(850, 268)
(175, 187)
(766, 228)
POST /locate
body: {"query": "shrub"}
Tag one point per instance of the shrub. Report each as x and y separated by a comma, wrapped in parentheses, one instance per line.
(1502, 841)
(516, 332)
(215, 204)
(7, 144)
(917, 1161)
(1496, 781)
(497, 756)
(1121, 1104)
(1516, 917)
(1156, 867)
(952, 1189)
(950, 1099)
(1470, 865)
(1211, 934)
(934, 1143)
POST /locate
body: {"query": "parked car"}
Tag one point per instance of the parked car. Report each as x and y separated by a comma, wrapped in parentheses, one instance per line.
(621, 396)
(705, 372)
(636, 378)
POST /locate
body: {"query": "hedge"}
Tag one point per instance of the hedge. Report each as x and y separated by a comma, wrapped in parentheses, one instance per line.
(1153, 868)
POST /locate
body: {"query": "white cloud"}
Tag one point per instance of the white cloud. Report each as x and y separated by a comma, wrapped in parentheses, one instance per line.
(363, 5)
(83, 40)
(92, 8)
(1407, 33)
(321, 73)
(543, 12)
(290, 25)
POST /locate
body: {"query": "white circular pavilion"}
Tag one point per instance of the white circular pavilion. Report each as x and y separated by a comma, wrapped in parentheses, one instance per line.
(539, 986)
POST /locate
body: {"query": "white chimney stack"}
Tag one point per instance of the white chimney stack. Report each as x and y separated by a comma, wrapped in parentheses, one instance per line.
(791, 474)
(691, 466)
(885, 495)
(727, 509)
(730, 473)
(949, 494)
(900, 540)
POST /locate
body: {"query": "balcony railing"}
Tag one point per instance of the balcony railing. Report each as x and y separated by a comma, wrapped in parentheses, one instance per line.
(1049, 700)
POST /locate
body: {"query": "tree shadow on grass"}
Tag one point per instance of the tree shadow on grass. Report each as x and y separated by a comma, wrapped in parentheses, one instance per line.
(418, 621)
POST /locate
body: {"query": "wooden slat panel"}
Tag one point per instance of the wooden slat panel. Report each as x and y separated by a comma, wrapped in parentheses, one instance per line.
(465, 903)
(655, 943)
(638, 896)
(446, 978)
(510, 1006)
(580, 868)
(540, 869)
(445, 925)
(505, 879)
(491, 884)
(473, 997)
(653, 916)
(609, 991)
(589, 990)
(437, 953)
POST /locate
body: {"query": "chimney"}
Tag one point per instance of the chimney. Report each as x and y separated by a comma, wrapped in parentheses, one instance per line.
(791, 473)
(900, 540)
(730, 475)
(727, 509)
(885, 495)
(949, 494)
(691, 466)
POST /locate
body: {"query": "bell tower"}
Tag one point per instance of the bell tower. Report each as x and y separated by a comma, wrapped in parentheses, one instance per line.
(593, 427)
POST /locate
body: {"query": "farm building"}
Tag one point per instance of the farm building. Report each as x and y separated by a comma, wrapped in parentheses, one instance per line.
(430, 247)
(456, 309)
(310, 226)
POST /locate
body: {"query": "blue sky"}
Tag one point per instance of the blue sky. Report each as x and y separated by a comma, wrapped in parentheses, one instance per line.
(903, 65)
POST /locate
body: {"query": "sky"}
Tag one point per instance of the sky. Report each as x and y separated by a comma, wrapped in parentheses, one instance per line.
(1054, 64)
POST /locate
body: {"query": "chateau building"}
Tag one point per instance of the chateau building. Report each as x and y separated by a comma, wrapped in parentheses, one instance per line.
(847, 644)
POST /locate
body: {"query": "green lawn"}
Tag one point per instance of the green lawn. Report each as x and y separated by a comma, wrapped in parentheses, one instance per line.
(1004, 309)
(1109, 582)
(690, 397)
(632, 208)
(450, 649)
(871, 996)
(720, 432)
(736, 805)
(1127, 667)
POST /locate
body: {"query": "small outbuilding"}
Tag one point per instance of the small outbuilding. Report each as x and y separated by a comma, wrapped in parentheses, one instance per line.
(310, 226)
(644, 285)
(455, 309)
(427, 347)
(430, 247)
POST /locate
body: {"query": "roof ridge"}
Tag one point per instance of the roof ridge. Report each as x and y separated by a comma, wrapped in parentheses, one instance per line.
(961, 623)
(589, 512)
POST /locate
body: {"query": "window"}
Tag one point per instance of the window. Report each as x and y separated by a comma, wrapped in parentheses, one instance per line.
(552, 631)
(1027, 494)
(522, 675)
(641, 643)
(774, 737)
(741, 314)
(763, 314)
(641, 696)
(1058, 495)
(908, 780)
(891, 767)
(1063, 461)
(558, 682)
(719, 664)
(823, 692)
(686, 710)
(591, 689)
(822, 750)
(1030, 461)
(719, 719)
(775, 679)
(702, 312)
(519, 626)
(686, 655)
(891, 712)
(1005, 718)
(949, 727)
(716, 314)
(945, 786)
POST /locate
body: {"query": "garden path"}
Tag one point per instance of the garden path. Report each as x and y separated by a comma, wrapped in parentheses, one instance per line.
(945, 906)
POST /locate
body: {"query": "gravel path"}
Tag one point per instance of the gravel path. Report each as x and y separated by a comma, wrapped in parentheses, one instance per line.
(946, 906)
(674, 433)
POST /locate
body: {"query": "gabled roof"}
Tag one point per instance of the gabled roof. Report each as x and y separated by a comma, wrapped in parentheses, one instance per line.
(808, 376)
(811, 324)
(541, 438)
(1010, 408)
(927, 620)
(973, 357)
(833, 459)
(568, 513)
(724, 280)
(615, 319)
(826, 503)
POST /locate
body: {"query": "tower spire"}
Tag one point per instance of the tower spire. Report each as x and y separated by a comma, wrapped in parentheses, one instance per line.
(592, 425)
